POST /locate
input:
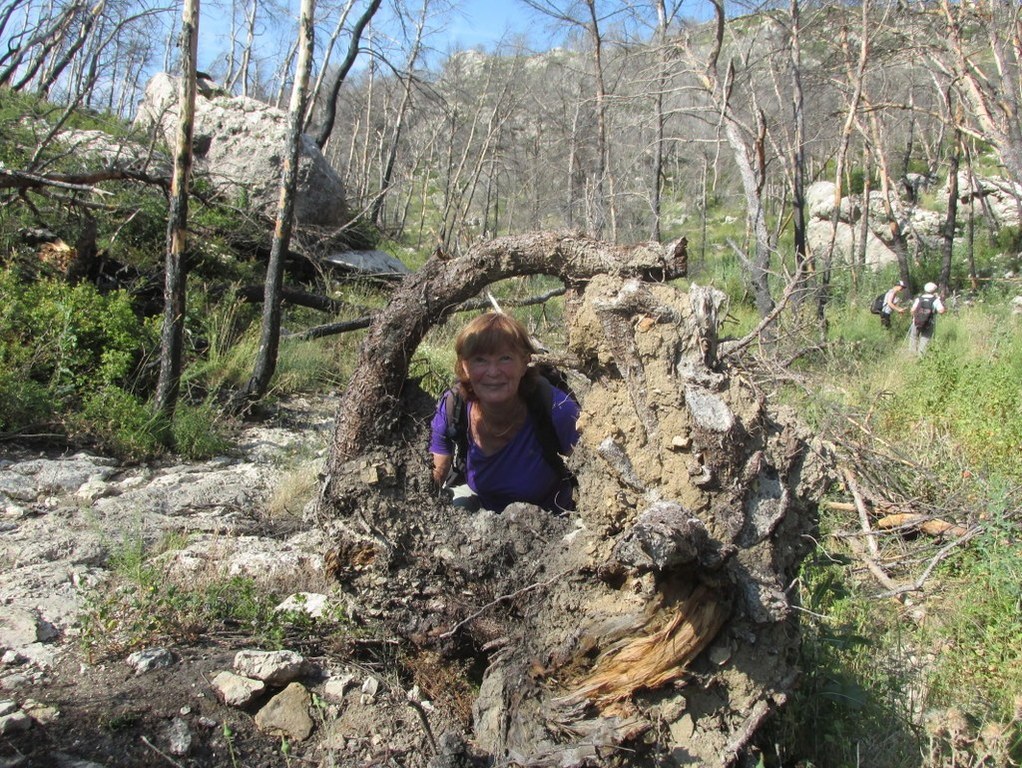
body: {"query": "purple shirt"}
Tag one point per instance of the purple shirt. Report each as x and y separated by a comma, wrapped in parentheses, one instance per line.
(518, 471)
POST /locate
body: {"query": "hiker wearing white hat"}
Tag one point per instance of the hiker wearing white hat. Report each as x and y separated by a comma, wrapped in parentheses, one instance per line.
(925, 309)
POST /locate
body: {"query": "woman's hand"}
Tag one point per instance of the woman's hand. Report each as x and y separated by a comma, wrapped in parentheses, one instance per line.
(441, 467)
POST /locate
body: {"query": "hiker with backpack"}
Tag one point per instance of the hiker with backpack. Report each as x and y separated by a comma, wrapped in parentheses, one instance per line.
(503, 429)
(925, 309)
(889, 303)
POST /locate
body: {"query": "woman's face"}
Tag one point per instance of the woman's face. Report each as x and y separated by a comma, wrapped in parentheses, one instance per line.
(495, 376)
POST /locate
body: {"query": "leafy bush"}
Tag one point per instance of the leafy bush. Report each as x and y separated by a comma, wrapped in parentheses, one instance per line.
(121, 423)
(61, 345)
(1009, 239)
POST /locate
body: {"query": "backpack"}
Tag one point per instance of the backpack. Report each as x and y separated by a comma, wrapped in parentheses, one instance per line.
(540, 402)
(877, 307)
(923, 315)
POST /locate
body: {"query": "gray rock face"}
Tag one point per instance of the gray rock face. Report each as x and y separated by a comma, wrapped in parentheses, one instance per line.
(62, 516)
(239, 145)
(997, 195)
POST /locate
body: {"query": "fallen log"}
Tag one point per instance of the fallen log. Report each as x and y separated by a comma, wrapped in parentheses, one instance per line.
(430, 295)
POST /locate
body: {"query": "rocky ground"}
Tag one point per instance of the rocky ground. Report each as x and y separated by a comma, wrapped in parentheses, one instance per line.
(63, 520)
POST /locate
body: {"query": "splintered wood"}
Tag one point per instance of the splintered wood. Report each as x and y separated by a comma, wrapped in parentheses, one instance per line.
(651, 661)
(928, 525)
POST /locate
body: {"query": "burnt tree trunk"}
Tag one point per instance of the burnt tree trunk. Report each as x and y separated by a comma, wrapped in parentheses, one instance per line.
(428, 297)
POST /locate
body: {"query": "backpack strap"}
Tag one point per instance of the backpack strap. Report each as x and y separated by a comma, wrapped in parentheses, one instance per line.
(456, 416)
(540, 403)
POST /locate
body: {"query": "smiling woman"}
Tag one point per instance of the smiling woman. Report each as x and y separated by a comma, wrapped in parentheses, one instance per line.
(503, 428)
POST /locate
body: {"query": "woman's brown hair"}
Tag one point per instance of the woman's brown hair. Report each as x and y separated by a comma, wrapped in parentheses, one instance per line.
(486, 334)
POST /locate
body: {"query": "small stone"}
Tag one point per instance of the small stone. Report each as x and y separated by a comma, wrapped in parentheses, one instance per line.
(681, 443)
(645, 324)
(15, 511)
(7, 707)
(179, 737)
(14, 682)
(371, 686)
(235, 690)
(335, 687)
(312, 604)
(720, 655)
(41, 713)
(150, 659)
(16, 722)
(287, 714)
(272, 667)
(683, 729)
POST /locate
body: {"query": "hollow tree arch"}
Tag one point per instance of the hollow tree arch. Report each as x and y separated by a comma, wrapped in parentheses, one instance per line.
(366, 413)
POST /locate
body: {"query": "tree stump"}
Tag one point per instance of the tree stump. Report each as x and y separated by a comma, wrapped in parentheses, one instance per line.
(654, 622)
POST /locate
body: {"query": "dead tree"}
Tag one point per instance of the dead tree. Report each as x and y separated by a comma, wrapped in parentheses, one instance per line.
(175, 278)
(429, 296)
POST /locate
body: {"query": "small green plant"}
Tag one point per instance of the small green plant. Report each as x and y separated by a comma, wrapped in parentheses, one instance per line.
(228, 734)
(196, 431)
(141, 605)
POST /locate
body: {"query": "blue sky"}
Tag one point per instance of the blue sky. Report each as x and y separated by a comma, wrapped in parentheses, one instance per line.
(485, 22)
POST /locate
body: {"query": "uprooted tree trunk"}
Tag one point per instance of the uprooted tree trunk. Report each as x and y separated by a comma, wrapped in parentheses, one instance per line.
(433, 293)
(653, 624)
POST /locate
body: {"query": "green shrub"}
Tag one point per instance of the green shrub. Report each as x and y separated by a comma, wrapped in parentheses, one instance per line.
(24, 403)
(121, 424)
(196, 433)
(1009, 239)
(61, 345)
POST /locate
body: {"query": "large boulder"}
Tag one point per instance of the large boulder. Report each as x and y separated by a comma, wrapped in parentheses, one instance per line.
(239, 145)
(844, 238)
(993, 196)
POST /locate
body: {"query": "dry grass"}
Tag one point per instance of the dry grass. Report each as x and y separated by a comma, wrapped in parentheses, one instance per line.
(295, 489)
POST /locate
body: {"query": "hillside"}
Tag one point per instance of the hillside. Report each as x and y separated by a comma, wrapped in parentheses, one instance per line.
(797, 543)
